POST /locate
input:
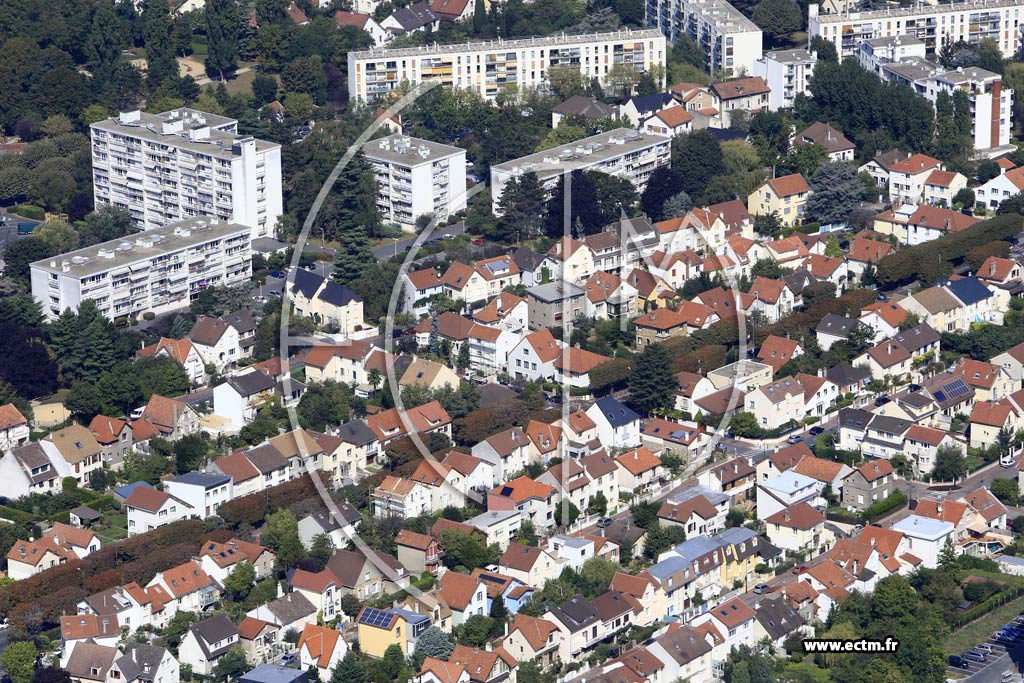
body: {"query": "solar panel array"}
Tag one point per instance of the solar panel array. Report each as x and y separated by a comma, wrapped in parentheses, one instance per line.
(372, 616)
(956, 388)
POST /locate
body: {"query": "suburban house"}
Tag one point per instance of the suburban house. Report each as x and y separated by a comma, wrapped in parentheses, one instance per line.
(785, 196)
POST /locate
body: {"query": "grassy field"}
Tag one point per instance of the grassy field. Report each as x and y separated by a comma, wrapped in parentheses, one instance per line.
(979, 631)
(117, 530)
(242, 83)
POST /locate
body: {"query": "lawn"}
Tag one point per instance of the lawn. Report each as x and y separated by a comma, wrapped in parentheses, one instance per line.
(117, 530)
(804, 672)
(980, 630)
(242, 83)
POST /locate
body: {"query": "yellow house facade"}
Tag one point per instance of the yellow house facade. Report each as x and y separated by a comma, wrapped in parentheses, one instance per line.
(380, 629)
(786, 196)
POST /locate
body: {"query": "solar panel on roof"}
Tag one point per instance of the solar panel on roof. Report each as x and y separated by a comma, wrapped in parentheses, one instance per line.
(372, 616)
(956, 388)
(940, 396)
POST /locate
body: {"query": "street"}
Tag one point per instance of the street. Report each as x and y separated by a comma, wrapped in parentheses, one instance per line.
(402, 245)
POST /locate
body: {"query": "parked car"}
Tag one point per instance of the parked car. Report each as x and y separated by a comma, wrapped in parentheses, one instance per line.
(984, 647)
(761, 588)
(287, 659)
(959, 662)
(799, 568)
(974, 655)
(276, 273)
(817, 429)
(604, 522)
(794, 438)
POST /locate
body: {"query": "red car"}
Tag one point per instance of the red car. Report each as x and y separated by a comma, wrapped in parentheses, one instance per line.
(478, 242)
(799, 568)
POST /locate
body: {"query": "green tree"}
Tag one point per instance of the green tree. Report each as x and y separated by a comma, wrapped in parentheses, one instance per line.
(652, 384)
(777, 18)
(349, 670)
(949, 464)
(239, 582)
(190, 453)
(103, 42)
(835, 193)
(467, 550)
(19, 661)
(281, 534)
(768, 224)
(663, 184)
(832, 247)
(676, 205)
(598, 504)
(393, 662)
(434, 643)
(161, 64)
(222, 26)
(264, 88)
(477, 630)
(231, 665)
(526, 533)
(826, 49)
(697, 157)
(1005, 490)
(59, 236)
(964, 198)
(322, 548)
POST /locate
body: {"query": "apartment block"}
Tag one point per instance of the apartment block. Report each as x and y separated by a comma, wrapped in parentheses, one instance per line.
(417, 177)
(730, 41)
(160, 270)
(933, 24)
(901, 59)
(495, 67)
(787, 73)
(185, 164)
(623, 152)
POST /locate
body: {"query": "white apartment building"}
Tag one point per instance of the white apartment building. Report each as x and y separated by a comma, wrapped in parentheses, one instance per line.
(731, 42)
(901, 59)
(494, 67)
(186, 163)
(623, 152)
(787, 73)
(161, 270)
(970, 21)
(416, 177)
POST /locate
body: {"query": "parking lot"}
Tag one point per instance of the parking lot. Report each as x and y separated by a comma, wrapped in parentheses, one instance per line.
(1003, 658)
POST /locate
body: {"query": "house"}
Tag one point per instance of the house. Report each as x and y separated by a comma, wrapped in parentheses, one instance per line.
(483, 666)
(389, 425)
(378, 629)
(205, 643)
(338, 524)
(327, 302)
(224, 341)
(368, 574)
(465, 595)
(274, 673)
(506, 452)
(777, 351)
(684, 652)
(733, 619)
(321, 648)
(186, 587)
(149, 509)
(400, 497)
(240, 398)
(871, 482)
(834, 142)
(26, 558)
(438, 671)
(671, 121)
(786, 196)
(879, 167)
(534, 500)
(114, 437)
(582, 108)
(798, 528)
(777, 620)
(1000, 272)
(777, 404)
(418, 552)
(535, 356)
(940, 187)
(352, 361)
(498, 526)
(80, 451)
(662, 323)
(989, 380)
(639, 471)
(686, 440)
(907, 178)
(785, 490)
(638, 108)
(698, 510)
(204, 492)
(573, 367)
(992, 193)
(428, 374)
(37, 467)
(888, 358)
(170, 418)
(90, 663)
(925, 537)
(528, 564)
(533, 639)
(183, 352)
(771, 299)
(366, 23)
(569, 260)
(294, 13)
(735, 478)
(749, 95)
(220, 559)
(548, 303)
(79, 628)
(506, 312)
(608, 296)
(617, 425)
(14, 429)
(579, 626)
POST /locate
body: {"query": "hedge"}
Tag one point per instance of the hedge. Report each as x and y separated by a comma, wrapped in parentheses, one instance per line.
(16, 515)
(876, 511)
(936, 259)
(255, 507)
(31, 212)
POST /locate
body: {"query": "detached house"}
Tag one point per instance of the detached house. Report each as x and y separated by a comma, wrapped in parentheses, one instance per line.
(533, 639)
(773, 299)
(14, 430)
(149, 509)
(871, 482)
(183, 352)
(226, 340)
(80, 451)
(205, 643)
(786, 196)
(321, 648)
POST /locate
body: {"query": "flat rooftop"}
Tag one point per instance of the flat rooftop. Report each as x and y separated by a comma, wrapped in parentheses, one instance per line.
(789, 56)
(973, 5)
(139, 247)
(185, 128)
(409, 151)
(506, 45)
(725, 17)
(582, 153)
